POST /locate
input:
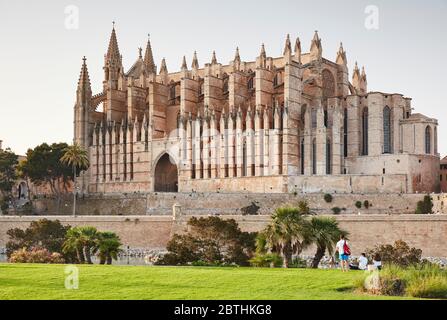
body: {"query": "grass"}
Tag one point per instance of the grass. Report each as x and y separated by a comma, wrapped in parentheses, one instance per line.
(38, 281)
(428, 281)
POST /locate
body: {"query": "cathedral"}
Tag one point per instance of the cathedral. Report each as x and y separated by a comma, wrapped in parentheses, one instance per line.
(297, 123)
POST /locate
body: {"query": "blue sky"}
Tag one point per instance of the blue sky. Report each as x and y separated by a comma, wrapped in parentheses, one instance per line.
(40, 57)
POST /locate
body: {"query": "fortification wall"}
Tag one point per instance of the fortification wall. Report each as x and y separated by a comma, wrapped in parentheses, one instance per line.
(226, 203)
(428, 232)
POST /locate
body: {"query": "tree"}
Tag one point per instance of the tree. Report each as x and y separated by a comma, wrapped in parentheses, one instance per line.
(324, 232)
(84, 241)
(287, 234)
(210, 240)
(44, 234)
(8, 176)
(74, 244)
(108, 247)
(76, 157)
(400, 254)
(425, 206)
(43, 166)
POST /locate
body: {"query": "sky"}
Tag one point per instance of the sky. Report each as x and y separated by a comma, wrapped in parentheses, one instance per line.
(401, 44)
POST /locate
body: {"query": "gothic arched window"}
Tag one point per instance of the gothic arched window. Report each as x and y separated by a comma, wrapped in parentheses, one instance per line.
(428, 140)
(326, 118)
(328, 84)
(172, 92)
(345, 132)
(386, 130)
(225, 85)
(314, 118)
(328, 157)
(250, 83)
(365, 132)
(314, 157)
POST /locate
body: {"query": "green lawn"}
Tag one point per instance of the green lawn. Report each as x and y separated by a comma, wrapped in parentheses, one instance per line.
(36, 281)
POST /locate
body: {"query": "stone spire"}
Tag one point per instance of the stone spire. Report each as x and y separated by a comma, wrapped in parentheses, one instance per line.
(341, 56)
(149, 58)
(113, 52)
(237, 57)
(195, 61)
(356, 77)
(163, 67)
(263, 54)
(287, 46)
(298, 50)
(316, 50)
(237, 60)
(363, 81)
(214, 59)
(184, 66)
(363, 75)
(84, 78)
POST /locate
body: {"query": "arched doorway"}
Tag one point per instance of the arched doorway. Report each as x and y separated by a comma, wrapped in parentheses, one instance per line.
(166, 175)
(23, 191)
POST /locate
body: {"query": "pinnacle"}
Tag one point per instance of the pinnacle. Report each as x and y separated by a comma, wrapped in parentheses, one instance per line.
(148, 57)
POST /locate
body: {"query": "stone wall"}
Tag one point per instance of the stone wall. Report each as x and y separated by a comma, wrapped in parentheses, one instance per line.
(225, 203)
(428, 232)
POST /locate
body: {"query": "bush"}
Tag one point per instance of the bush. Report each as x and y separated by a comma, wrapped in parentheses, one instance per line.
(421, 281)
(4, 206)
(298, 263)
(35, 255)
(366, 204)
(399, 254)
(267, 260)
(212, 240)
(425, 206)
(328, 197)
(358, 204)
(46, 234)
(336, 210)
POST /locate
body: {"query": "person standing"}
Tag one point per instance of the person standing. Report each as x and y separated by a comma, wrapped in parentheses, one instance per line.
(343, 252)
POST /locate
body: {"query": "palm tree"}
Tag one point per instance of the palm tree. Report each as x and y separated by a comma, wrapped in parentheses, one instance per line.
(90, 238)
(77, 157)
(74, 242)
(109, 247)
(324, 233)
(287, 233)
(84, 241)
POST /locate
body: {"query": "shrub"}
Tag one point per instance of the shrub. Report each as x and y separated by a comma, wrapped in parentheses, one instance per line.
(358, 204)
(267, 260)
(252, 209)
(425, 206)
(429, 287)
(298, 263)
(303, 208)
(366, 204)
(212, 240)
(35, 255)
(421, 281)
(46, 234)
(336, 210)
(328, 197)
(399, 254)
(4, 206)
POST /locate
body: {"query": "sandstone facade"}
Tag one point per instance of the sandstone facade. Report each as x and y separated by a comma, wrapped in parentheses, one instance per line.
(293, 123)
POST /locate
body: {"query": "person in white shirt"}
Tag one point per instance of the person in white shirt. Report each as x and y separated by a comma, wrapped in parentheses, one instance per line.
(344, 256)
(377, 262)
(363, 262)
